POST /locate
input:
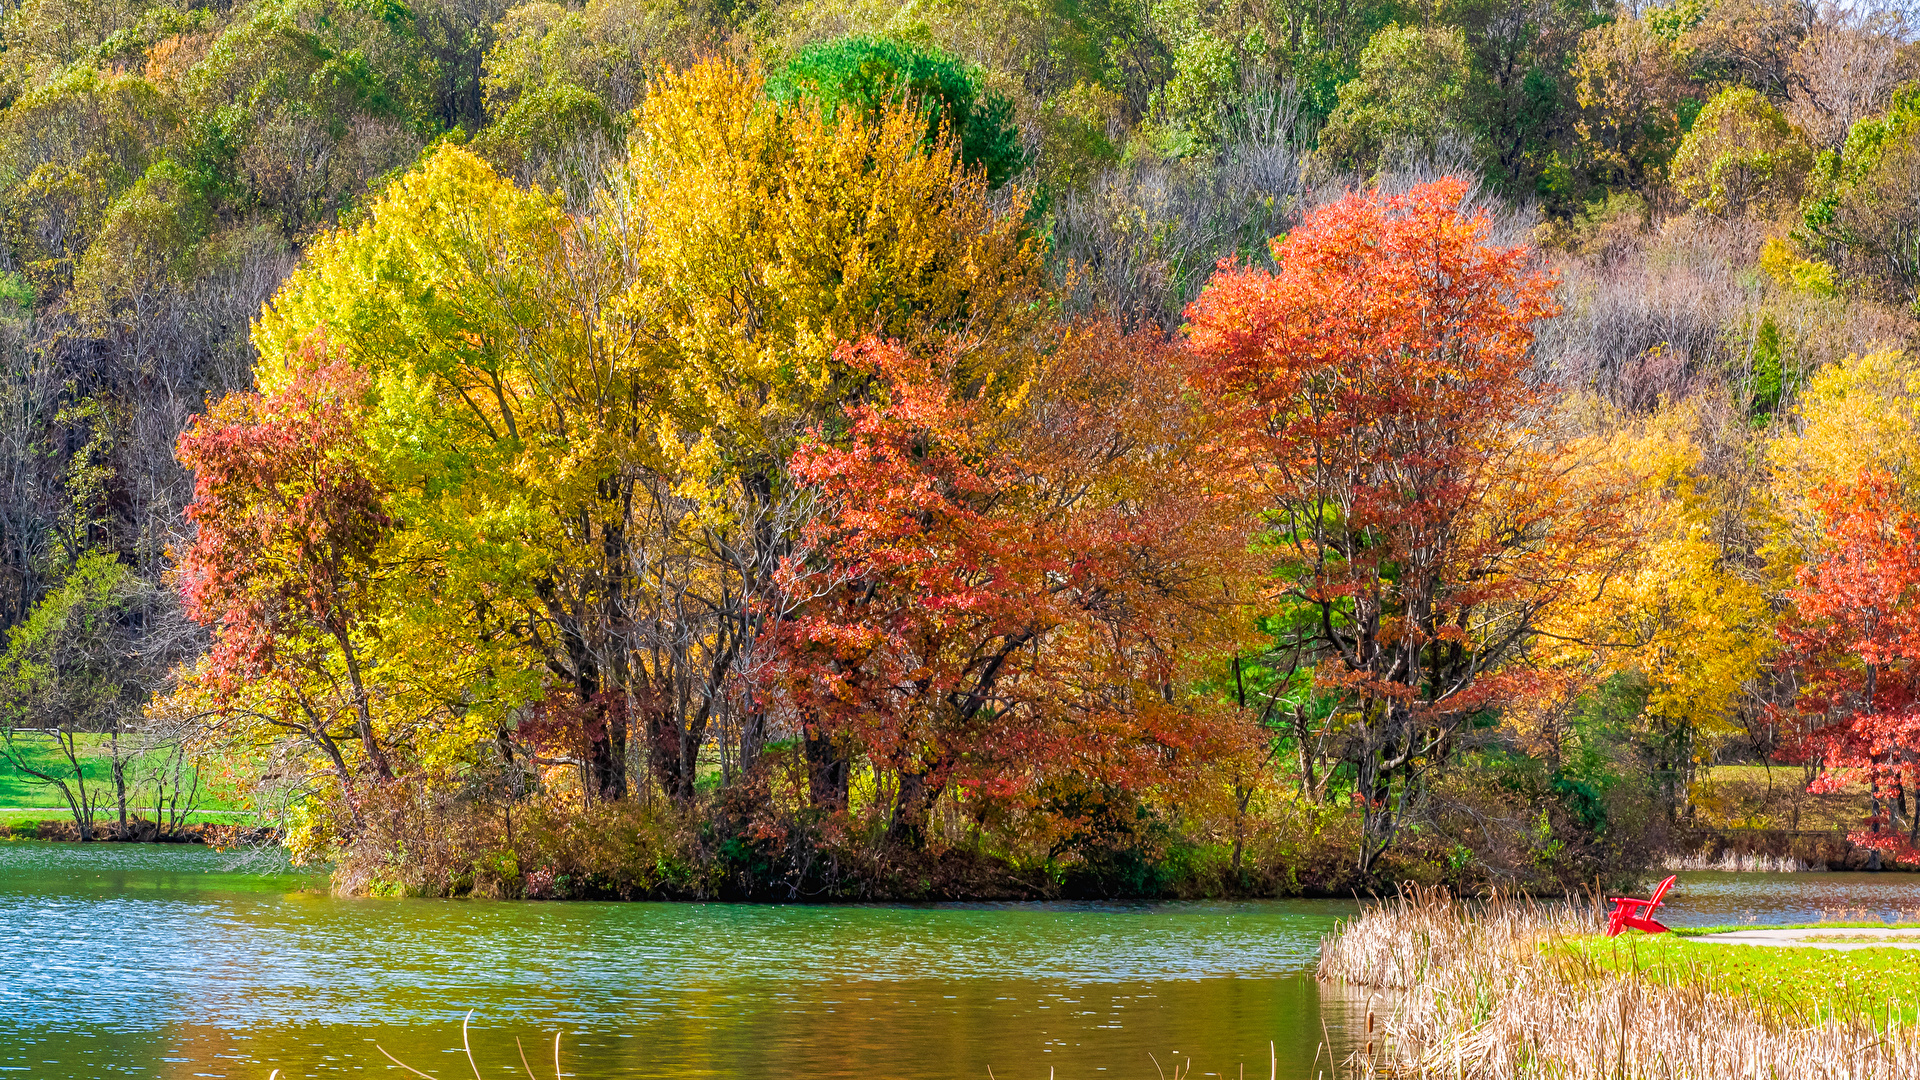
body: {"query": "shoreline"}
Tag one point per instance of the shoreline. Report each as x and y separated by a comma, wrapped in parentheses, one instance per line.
(1511, 988)
(141, 831)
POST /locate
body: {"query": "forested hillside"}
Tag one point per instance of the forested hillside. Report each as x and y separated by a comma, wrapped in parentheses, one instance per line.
(830, 448)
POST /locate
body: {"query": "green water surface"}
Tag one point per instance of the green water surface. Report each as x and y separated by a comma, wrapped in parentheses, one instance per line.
(157, 961)
(153, 961)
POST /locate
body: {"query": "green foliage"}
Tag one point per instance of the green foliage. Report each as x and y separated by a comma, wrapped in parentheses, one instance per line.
(1860, 209)
(550, 137)
(1740, 156)
(62, 666)
(1205, 84)
(149, 238)
(1410, 93)
(865, 74)
(608, 48)
(1837, 174)
(1769, 367)
(1672, 22)
(17, 295)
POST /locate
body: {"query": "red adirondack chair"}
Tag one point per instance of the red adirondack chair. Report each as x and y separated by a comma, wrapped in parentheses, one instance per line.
(1627, 911)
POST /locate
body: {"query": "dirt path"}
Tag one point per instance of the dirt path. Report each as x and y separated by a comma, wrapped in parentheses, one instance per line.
(1832, 937)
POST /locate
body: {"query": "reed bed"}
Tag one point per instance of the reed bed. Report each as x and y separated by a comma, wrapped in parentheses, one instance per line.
(1495, 990)
(1742, 863)
(1901, 916)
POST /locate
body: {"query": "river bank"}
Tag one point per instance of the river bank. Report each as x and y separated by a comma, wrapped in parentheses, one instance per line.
(1774, 851)
(142, 831)
(1509, 989)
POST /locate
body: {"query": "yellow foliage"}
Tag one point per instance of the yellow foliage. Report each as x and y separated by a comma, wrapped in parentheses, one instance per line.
(1856, 414)
(765, 237)
(584, 418)
(1791, 271)
(1684, 613)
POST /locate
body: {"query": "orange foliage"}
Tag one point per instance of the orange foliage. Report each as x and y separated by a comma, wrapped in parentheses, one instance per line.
(1374, 391)
(1854, 635)
(1004, 593)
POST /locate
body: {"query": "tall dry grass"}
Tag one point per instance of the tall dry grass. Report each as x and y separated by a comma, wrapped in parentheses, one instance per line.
(1475, 989)
(1742, 862)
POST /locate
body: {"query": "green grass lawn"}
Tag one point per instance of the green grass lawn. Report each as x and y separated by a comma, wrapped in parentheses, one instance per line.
(20, 790)
(1733, 928)
(1795, 984)
(1774, 797)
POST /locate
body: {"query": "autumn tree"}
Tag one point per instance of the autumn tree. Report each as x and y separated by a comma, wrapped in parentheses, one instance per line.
(1004, 594)
(1631, 84)
(1859, 414)
(1685, 619)
(587, 418)
(286, 566)
(1741, 157)
(1373, 390)
(1853, 639)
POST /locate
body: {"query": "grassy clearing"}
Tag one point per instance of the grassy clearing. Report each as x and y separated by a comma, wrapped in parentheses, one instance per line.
(18, 789)
(1509, 989)
(103, 815)
(1803, 985)
(1773, 797)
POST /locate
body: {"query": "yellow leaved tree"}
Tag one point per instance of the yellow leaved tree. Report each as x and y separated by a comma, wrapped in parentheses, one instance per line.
(1687, 622)
(581, 423)
(1860, 413)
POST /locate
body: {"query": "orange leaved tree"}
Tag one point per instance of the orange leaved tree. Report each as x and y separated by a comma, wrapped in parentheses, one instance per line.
(1374, 391)
(1853, 634)
(1001, 595)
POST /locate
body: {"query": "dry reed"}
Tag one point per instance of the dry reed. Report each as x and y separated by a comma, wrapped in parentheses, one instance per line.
(1480, 990)
(1742, 863)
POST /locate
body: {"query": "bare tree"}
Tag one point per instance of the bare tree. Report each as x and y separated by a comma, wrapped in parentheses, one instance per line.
(1848, 66)
(1143, 239)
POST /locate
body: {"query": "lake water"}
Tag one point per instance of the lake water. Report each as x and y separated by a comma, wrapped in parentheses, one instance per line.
(141, 961)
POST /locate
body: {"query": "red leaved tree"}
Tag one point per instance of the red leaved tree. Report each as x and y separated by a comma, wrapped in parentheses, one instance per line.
(1854, 636)
(1004, 594)
(284, 565)
(1374, 392)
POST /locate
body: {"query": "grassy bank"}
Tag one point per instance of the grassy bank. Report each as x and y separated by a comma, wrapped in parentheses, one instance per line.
(1510, 989)
(1797, 985)
(20, 817)
(21, 793)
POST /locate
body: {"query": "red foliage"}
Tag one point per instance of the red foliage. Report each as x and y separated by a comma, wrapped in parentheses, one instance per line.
(1374, 392)
(283, 562)
(1374, 389)
(1854, 636)
(995, 596)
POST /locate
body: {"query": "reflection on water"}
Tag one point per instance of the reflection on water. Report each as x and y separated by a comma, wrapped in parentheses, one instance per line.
(1715, 899)
(130, 961)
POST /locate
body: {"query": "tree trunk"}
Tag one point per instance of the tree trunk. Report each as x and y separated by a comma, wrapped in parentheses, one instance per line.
(119, 766)
(606, 730)
(829, 772)
(910, 809)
